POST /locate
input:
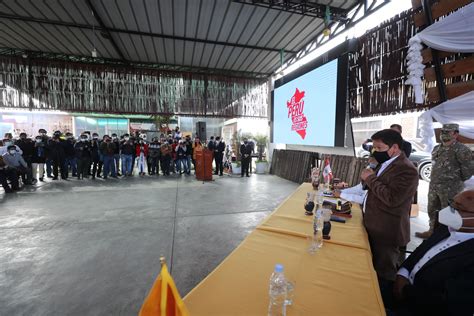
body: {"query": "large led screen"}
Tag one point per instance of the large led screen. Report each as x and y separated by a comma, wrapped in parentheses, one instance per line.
(304, 109)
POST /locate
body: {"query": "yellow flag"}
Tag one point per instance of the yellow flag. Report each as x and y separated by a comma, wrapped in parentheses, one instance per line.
(163, 299)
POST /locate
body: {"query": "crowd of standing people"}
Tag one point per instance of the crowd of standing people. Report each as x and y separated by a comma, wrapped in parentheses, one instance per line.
(90, 156)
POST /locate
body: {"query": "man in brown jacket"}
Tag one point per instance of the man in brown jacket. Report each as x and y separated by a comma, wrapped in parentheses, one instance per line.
(391, 187)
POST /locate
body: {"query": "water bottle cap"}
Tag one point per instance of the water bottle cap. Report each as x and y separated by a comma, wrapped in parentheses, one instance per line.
(278, 267)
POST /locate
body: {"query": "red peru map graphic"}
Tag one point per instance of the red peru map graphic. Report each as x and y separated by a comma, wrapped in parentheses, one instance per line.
(295, 111)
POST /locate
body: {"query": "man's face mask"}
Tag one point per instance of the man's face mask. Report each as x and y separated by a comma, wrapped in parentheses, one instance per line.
(12, 151)
(95, 137)
(126, 138)
(450, 217)
(83, 139)
(7, 143)
(445, 136)
(381, 156)
(38, 140)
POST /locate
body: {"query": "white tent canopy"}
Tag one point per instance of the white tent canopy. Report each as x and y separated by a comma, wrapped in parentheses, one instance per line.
(454, 33)
(459, 110)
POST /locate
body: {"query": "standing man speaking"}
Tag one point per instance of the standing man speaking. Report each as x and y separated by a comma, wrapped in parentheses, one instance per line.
(391, 187)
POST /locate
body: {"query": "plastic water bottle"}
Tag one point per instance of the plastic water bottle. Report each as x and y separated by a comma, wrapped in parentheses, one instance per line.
(278, 292)
(318, 224)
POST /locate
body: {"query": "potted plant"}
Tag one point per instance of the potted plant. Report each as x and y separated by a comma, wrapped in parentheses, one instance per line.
(261, 164)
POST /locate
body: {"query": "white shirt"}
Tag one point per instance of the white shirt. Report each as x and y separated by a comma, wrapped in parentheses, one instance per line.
(385, 165)
(354, 194)
(454, 239)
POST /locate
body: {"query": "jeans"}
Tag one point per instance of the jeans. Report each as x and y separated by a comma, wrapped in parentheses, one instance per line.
(109, 166)
(127, 164)
(117, 162)
(71, 162)
(188, 162)
(49, 169)
(83, 165)
(182, 162)
(154, 165)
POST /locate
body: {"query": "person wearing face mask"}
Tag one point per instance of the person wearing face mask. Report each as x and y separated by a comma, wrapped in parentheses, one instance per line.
(390, 190)
(181, 164)
(57, 155)
(219, 156)
(438, 277)
(451, 166)
(141, 151)
(127, 149)
(49, 164)
(357, 193)
(27, 146)
(165, 157)
(14, 160)
(246, 158)
(197, 147)
(83, 155)
(154, 157)
(39, 158)
(97, 162)
(116, 141)
(8, 175)
(8, 142)
(107, 149)
(70, 153)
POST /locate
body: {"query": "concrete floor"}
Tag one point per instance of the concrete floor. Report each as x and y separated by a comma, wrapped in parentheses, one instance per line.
(92, 248)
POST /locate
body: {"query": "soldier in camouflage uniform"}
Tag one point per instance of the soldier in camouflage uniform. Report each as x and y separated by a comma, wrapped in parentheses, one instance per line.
(451, 166)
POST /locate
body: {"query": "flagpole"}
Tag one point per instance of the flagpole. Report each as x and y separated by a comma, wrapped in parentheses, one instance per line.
(162, 260)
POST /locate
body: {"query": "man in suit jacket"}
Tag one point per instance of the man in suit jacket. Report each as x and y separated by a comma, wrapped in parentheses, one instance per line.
(219, 149)
(438, 277)
(391, 187)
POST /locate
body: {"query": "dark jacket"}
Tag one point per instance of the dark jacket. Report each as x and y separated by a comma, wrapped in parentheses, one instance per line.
(95, 144)
(27, 146)
(388, 203)
(445, 284)
(245, 151)
(107, 148)
(56, 150)
(219, 149)
(189, 149)
(117, 146)
(83, 149)
(154, 150)
(180, 152)
(69, 148)
(127, 148)
(39, 153)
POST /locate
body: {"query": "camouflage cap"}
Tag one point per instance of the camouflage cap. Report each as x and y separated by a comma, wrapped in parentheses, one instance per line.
(451, 127)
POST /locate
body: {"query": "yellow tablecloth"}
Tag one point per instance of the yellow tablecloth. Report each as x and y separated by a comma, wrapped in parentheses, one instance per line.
(338, 280)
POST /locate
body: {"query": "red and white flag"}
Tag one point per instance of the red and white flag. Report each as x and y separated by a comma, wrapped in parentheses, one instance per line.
(327, 172)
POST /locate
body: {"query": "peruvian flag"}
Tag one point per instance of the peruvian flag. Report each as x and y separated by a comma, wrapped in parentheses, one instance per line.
(327, 172)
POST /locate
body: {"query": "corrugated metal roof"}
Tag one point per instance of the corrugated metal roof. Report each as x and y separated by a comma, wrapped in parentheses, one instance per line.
(214, 34)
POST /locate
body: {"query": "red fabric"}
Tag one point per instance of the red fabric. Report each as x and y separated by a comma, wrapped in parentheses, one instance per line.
(173, 152)
(145, 149)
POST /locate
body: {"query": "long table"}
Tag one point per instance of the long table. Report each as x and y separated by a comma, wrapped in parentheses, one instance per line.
(338, 280)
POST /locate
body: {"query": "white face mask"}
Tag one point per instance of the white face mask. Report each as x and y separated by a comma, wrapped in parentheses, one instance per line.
(12, 152)
(38, 140)
(126, 138)
(452, 219)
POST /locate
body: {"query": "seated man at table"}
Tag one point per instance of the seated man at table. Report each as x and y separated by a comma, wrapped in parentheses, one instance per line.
(390, 190)
(438, 277)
